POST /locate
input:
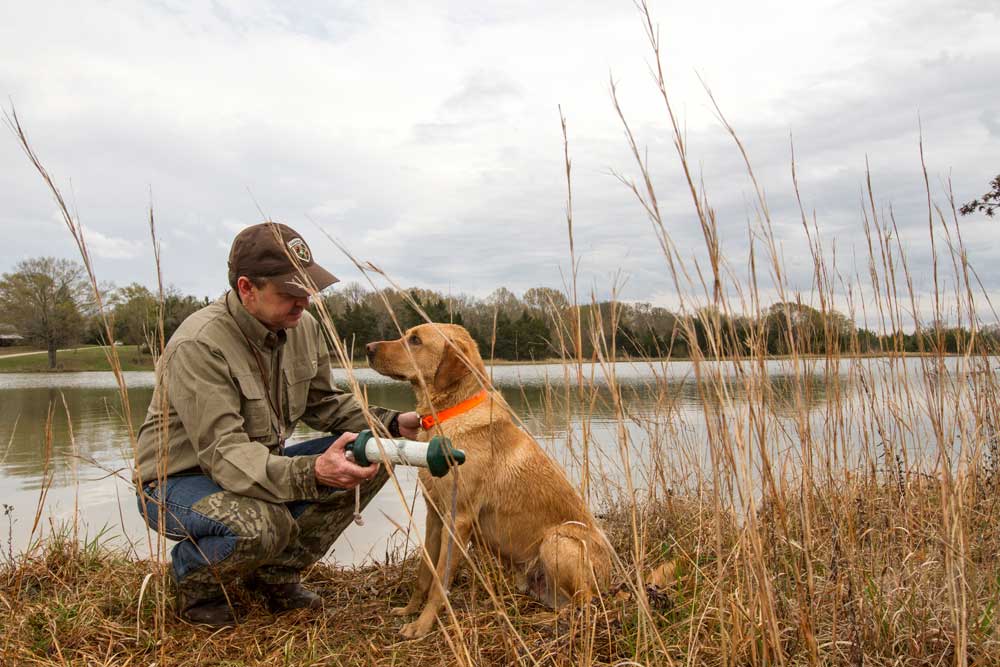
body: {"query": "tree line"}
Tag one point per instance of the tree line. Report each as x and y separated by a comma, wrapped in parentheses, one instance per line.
(542, 324)
(49, 302)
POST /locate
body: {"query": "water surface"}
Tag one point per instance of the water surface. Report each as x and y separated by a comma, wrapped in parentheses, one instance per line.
(84, 465)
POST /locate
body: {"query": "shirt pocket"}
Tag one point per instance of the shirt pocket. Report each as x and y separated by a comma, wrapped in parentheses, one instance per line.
(254, 407)
(298, 377)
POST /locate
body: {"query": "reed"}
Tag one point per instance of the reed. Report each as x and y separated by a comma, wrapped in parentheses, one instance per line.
(824, 508)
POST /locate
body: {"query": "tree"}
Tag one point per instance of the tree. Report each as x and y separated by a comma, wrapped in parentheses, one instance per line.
(176, 308)
(136, 315)
(357, 326)
(531, 337)
(505, 301)
(505, 346)
(545, 299)
(46, 299)
(812, 331)
(430, 303)
(989, 203)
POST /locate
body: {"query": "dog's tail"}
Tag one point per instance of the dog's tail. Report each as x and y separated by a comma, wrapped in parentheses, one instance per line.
(575, 561)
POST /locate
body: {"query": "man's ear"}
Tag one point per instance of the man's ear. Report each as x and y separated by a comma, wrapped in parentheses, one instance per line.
(452, 368)
(244, 288)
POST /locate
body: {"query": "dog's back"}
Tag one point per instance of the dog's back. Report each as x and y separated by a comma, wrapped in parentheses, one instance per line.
(527, 510)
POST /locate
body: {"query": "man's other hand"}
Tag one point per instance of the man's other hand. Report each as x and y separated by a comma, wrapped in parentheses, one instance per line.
(409, 425)
(333, 468)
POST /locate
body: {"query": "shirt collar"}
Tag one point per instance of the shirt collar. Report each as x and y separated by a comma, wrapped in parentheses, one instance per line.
(255, 332)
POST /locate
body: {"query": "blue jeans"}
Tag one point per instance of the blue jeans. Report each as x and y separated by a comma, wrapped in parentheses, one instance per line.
(222, 535)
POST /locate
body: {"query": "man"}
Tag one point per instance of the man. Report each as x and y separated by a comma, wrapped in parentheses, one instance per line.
(212, 468)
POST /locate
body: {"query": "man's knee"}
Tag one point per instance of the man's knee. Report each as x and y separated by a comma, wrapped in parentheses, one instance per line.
(273, 532)
(262, 529)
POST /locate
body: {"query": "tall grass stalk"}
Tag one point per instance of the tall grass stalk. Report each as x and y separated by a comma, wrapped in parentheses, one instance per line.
(106, 318)
(824, 509)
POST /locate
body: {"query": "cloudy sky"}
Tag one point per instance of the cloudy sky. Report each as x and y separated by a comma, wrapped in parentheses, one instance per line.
(426, 138)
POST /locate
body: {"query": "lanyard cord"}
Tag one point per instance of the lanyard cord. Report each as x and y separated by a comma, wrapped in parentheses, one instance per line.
(263, 376)
(357, 506)
(267, 392)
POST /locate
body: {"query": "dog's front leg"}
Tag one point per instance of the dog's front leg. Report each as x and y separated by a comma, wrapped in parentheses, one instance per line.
(436, 596)
(425, 570)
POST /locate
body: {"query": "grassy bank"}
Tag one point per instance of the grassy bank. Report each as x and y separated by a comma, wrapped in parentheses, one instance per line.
(870, 577)
(81, 359)
(94, 359)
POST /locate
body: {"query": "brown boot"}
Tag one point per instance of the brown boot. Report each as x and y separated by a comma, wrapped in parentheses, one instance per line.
(279, 598)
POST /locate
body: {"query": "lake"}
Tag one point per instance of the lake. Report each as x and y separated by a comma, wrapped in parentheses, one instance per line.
(659, 428)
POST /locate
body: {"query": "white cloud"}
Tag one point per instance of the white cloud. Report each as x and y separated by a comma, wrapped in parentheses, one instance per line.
(426, 136)
(332, 209)
(110, 247)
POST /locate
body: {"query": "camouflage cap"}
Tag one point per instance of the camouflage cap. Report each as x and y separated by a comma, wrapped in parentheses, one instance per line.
(257, 253)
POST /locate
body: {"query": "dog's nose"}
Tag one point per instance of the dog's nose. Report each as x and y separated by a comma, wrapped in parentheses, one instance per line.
(370, 350)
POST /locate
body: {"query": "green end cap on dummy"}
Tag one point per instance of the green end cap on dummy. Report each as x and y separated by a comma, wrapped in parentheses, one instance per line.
(441, 456)
(358, 448)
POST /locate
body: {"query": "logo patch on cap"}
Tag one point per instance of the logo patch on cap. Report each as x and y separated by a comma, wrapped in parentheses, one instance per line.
(300, 249)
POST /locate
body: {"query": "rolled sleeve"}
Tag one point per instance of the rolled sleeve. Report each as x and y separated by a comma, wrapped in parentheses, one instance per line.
(207, 401)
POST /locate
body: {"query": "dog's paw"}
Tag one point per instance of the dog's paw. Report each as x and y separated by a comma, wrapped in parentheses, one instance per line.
(408, 610)
(416, 629)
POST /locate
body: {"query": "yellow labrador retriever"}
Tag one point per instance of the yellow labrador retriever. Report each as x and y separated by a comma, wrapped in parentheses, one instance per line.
(511, 497)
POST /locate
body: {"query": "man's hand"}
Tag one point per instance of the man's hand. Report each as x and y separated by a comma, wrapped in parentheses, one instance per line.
(409, 425)
(333, 468)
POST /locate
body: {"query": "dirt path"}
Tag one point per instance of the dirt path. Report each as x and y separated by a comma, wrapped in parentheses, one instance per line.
(26, 354)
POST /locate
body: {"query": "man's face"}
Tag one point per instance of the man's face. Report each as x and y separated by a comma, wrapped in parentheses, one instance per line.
(274, 308)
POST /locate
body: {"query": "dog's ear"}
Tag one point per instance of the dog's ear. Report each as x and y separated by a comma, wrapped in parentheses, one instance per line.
(452, 368)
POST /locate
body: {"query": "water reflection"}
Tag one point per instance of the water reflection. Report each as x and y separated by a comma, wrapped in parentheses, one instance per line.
(543, 401)
(98, 427)
(659, 402)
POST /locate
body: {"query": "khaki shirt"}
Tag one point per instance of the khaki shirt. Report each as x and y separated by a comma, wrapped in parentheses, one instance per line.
(211, 397)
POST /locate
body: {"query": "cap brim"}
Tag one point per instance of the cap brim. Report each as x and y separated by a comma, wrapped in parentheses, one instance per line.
(291, 283)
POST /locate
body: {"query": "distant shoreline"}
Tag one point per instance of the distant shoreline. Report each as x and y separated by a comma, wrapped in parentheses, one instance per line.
(93, 359)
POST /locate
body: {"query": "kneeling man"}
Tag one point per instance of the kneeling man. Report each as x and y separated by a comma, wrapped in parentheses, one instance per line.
(213, 471)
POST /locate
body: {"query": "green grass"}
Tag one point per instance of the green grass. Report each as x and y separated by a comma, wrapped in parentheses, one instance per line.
(84, 359)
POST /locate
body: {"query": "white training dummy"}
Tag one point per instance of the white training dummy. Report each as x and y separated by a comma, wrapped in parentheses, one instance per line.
(437, 456)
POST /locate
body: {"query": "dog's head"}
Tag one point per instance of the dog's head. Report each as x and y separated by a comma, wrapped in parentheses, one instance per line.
(440, 353)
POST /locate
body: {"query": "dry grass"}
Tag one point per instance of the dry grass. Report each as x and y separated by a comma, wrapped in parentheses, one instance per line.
(842, 513)
(80, 604)
(876, 593)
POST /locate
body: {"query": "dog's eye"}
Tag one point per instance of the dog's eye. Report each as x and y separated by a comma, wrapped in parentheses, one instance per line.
(414, 339)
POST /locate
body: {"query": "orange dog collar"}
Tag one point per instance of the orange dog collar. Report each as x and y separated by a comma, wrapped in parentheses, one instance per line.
(427, 422)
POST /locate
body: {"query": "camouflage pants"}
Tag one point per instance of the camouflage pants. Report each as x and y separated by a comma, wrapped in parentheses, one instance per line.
(222, 535)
